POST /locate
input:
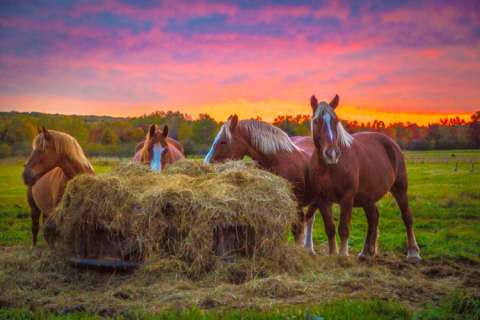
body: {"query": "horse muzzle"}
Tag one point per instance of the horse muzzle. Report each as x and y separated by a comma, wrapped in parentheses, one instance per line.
(331, 155)
(29, 178)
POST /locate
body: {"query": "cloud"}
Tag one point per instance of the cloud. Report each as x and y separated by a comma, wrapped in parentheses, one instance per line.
(204, 56)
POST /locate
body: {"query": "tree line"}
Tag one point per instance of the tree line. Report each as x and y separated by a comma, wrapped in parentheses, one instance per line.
(117, 136)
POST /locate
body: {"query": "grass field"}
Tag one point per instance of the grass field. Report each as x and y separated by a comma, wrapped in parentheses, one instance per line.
(445, 199)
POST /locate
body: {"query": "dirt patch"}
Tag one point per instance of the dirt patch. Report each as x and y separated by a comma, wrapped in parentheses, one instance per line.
(39, 281)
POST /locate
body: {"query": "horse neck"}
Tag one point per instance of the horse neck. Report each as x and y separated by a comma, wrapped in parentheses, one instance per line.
(73, 168)
(268, 161)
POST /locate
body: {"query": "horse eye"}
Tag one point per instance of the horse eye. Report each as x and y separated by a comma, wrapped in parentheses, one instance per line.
(223, 142)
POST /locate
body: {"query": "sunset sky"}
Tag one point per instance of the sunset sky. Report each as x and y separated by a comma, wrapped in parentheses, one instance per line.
(395, 61)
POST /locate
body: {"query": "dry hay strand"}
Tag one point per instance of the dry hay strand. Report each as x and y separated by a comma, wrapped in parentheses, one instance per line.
(275, 287)
(229, 220)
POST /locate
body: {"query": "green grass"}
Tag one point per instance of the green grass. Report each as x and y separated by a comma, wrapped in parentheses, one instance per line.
(456, 307)
(445, 203)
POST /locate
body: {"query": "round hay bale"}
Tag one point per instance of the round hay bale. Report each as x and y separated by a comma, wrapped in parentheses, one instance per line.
(204, 218)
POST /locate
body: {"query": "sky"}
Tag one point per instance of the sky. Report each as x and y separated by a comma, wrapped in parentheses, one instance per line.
(390, 60)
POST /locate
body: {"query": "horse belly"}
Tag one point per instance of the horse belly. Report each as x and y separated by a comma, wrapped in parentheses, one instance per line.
(376, 178)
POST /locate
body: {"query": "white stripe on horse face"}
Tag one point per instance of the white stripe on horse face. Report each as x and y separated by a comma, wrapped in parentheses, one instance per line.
(156, 162)
(327, 118)
(209, 155)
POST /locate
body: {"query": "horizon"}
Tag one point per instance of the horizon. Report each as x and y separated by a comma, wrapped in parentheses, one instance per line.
(390, 61)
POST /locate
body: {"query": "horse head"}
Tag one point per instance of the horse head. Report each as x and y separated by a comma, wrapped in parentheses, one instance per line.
(52, 149)
(228, 143)
(156, 149)
(43, 158)
(329, 135)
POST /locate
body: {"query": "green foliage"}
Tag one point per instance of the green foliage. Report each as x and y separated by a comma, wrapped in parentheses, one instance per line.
(109, 136)
(5, 150)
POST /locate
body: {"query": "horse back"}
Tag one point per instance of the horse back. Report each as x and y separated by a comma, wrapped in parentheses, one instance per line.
(48, 190)
(176, 153)
(177, 145)
(305, 143)
(380, 162)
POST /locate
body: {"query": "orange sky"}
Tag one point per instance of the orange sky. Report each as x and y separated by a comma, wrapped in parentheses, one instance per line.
(391, 61)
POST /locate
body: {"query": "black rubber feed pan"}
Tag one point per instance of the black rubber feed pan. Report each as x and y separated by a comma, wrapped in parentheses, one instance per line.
(105, 265)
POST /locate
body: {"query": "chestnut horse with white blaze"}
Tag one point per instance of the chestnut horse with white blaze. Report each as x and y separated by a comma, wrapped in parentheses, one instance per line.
(158, 150)
(55, 159)
(274, 151)
(356, 171)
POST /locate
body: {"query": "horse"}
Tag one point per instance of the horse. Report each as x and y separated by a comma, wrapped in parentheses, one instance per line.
(158, 150)
(55, 159)
(273, 150)
(356, 171)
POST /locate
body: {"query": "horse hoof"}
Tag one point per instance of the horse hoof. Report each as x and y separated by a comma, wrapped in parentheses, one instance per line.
(414, 258)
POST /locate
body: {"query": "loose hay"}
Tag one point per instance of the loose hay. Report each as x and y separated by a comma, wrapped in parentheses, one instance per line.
(229, 220)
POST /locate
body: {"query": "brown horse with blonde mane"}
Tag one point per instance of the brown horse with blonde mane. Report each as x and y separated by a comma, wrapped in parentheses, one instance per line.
(158, 150)
(356, 171)
(55, 159)
(273, 150)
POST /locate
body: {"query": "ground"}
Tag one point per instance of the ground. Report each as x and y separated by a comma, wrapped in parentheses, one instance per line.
(445, 199)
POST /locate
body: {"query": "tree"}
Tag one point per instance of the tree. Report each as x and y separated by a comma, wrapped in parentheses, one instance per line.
(474, 130)
(108, 136)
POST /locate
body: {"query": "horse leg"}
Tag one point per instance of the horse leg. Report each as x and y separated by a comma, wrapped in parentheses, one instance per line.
(298, 228)
(329, 224)
(310, 219)
(401, 197)
(35, 215)
(370, 247)
(346, 206)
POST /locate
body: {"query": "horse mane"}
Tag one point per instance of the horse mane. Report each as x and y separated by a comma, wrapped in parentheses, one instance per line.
(66, 145)
(344, 137)
(265, 137)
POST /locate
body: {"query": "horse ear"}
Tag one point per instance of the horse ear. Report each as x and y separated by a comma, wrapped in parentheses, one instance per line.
(151, 131)
(314, 103)
(165, 131)
(39, 130)
(334, 102)
(46, 134)
(233, 122)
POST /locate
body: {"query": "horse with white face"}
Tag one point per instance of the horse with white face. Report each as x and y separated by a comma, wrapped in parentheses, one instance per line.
(158, 150)
(274, 151)
(356, 171)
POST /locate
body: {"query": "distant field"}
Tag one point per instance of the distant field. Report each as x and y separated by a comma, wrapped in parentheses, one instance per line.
(445, 200)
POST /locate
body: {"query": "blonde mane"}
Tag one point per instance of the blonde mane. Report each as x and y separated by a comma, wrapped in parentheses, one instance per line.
(65, 145)
(265, 137)
(344, 137)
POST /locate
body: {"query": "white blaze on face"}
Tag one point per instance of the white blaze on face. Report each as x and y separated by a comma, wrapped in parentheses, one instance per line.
(156, 162)
(209, 155)
(327, 118)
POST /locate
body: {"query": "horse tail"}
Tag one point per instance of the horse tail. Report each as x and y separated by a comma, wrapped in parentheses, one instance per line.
(397, 160)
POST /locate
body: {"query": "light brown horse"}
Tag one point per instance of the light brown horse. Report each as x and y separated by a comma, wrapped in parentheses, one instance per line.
(274, 151)
(356, 171)
(55, 159)
(158, 150)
